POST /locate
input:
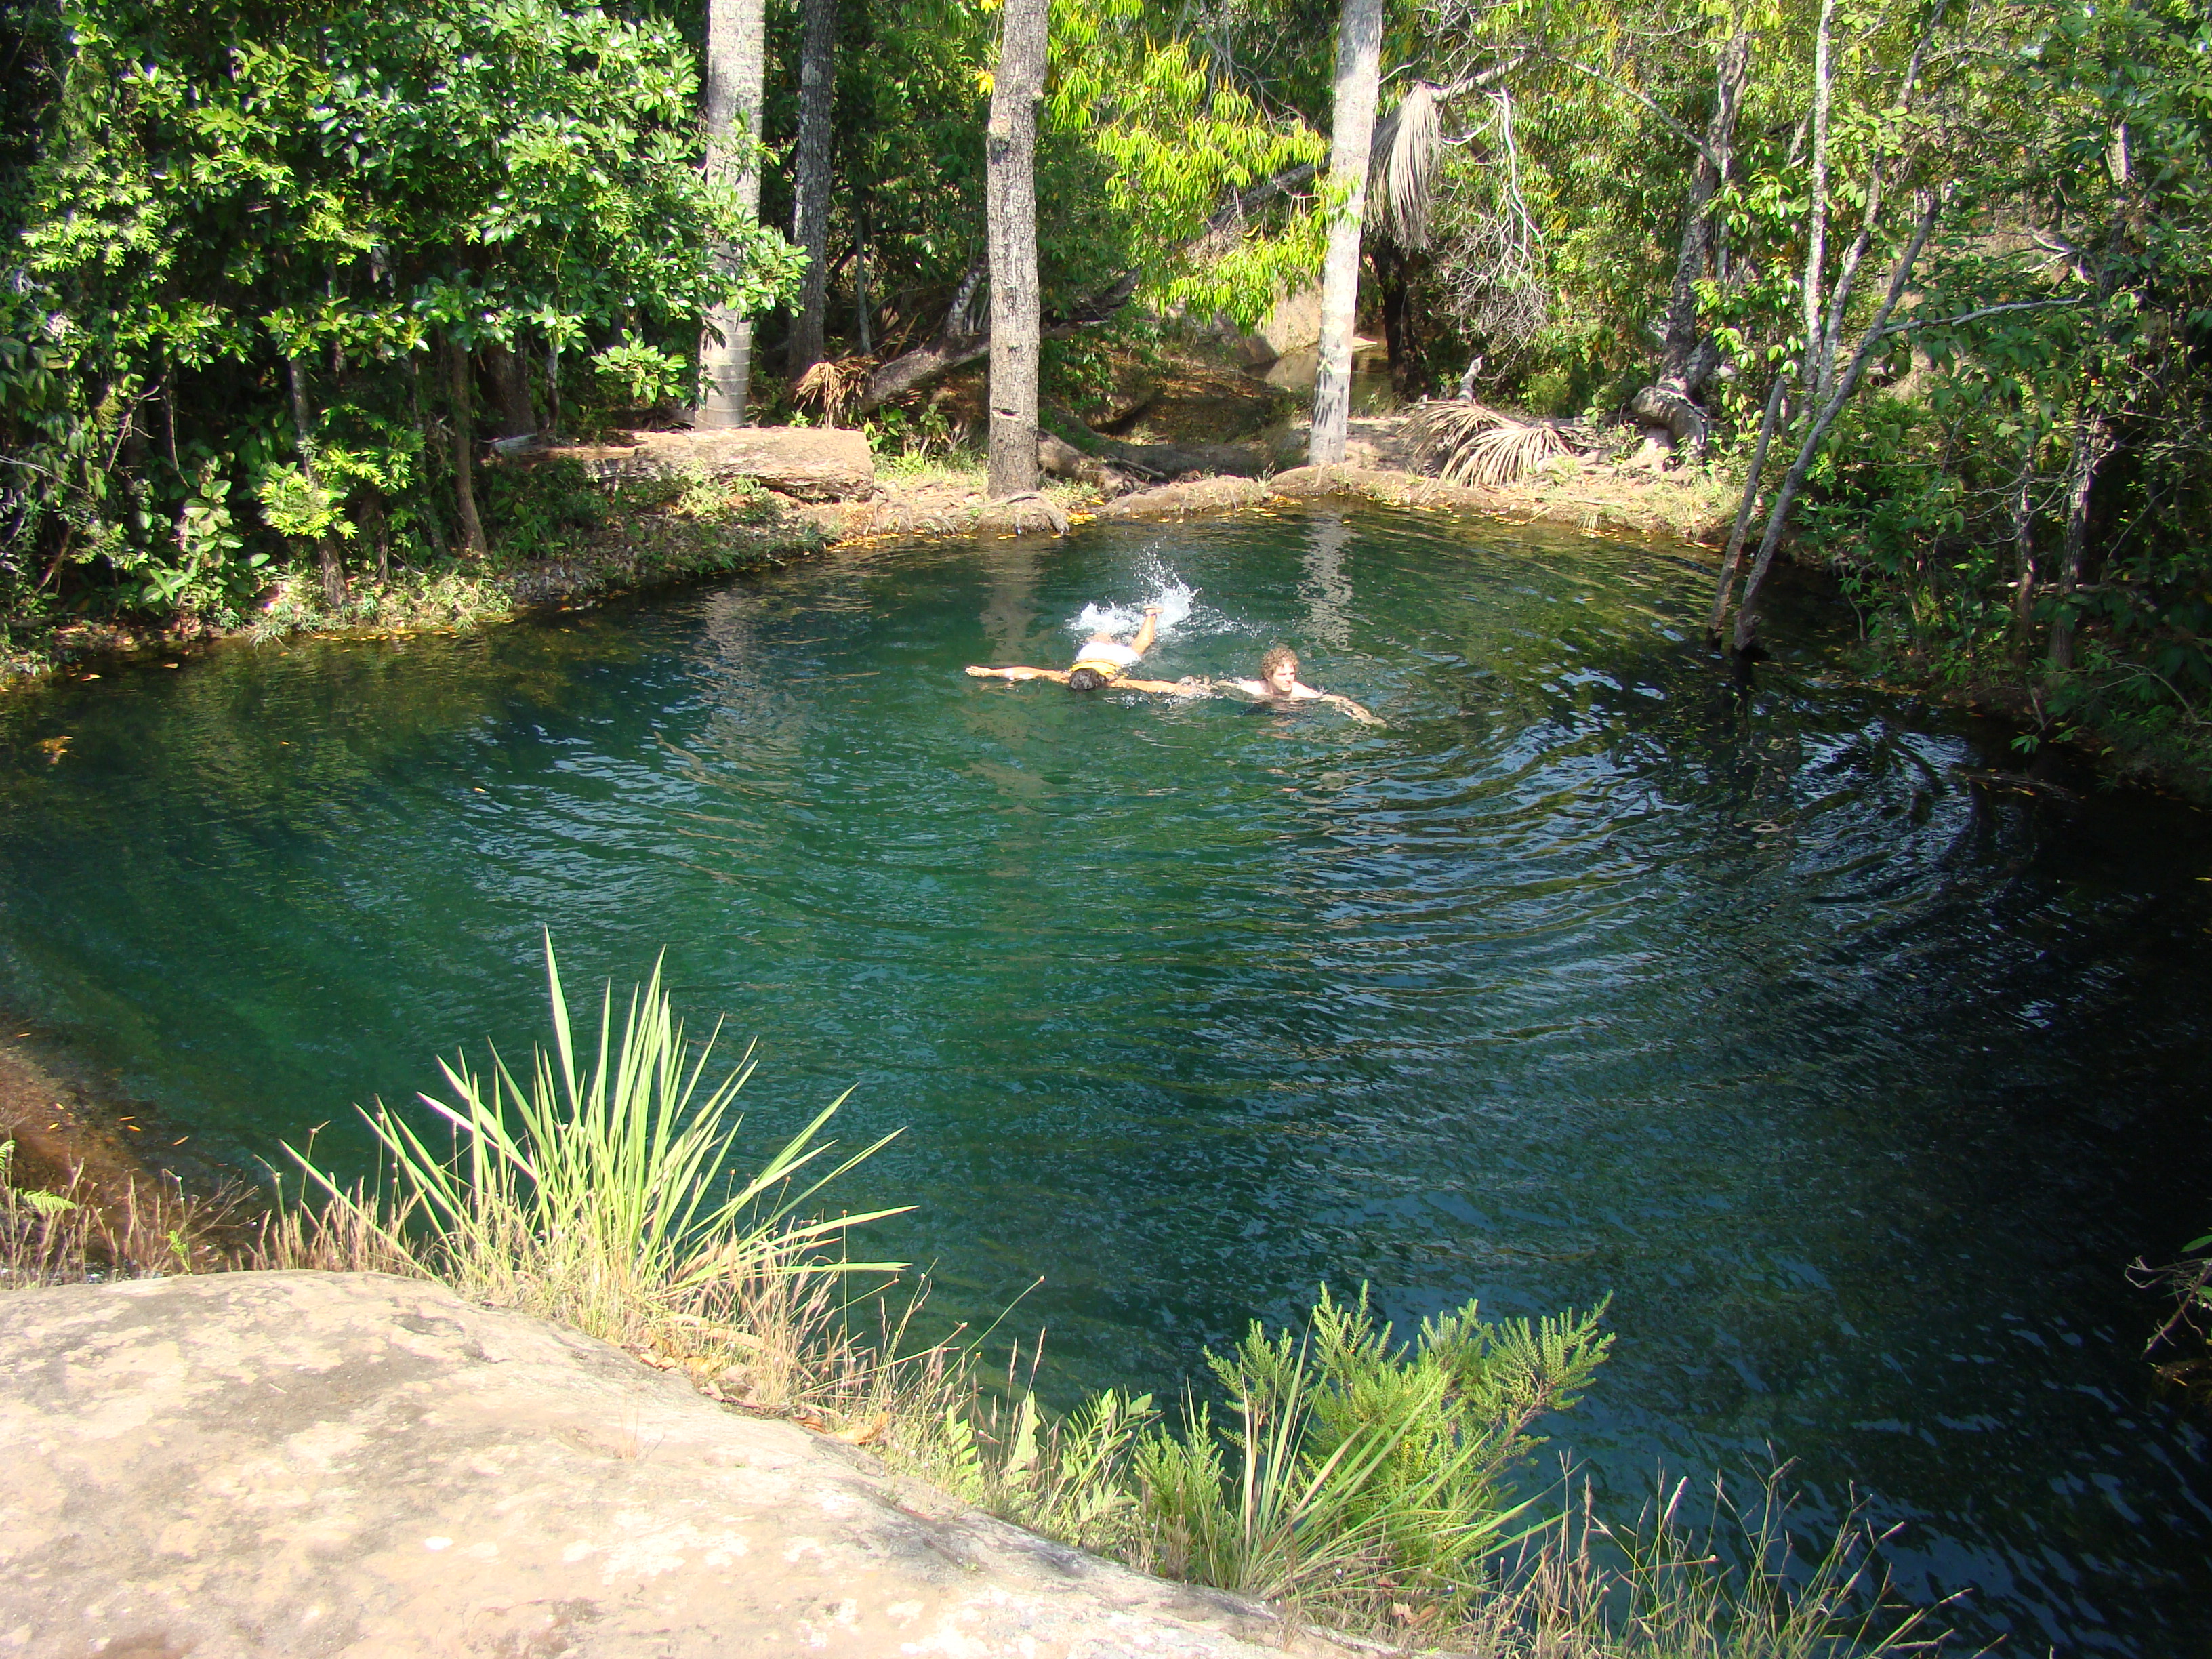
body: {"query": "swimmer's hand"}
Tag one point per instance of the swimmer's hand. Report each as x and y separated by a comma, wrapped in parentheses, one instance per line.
(1364, 716)
(980, 672)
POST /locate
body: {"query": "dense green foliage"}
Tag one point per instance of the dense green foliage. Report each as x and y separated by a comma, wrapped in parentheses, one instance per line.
(2016, 496)
(244, 231)
(242, 242)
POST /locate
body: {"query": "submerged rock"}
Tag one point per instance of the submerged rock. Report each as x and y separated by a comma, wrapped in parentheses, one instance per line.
(307, 1463)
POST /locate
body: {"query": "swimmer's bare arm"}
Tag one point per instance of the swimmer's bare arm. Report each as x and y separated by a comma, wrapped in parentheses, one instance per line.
(1260, 691)
(1178, 689)
(1011, 675)
(1146, 635)
(1364, 716)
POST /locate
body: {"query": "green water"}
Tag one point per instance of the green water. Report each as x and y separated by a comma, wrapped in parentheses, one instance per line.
(1855, 1084)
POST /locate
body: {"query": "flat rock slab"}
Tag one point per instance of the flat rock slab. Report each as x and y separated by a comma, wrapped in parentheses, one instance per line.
(813, 464)
(306, 1464)
(1380, 485)
(1183, 500)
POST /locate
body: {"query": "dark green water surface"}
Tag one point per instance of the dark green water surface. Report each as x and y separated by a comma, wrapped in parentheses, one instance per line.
(1857, 1084)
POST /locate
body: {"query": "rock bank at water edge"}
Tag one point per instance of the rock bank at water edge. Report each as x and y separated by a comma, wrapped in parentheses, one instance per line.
(301, 1463)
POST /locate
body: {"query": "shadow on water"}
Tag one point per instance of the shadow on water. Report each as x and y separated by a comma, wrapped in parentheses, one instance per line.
(1854, 1075)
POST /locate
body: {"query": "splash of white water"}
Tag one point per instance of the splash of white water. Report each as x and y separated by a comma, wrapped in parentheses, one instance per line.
(1180, 608)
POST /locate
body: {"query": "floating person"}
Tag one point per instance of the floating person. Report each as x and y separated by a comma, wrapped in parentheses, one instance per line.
(1278, 682)
(1103, 661)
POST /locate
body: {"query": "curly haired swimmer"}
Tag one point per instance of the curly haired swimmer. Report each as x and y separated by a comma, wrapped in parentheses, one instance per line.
(1278, 682)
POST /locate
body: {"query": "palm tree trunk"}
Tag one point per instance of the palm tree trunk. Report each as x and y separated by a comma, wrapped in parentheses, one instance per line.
(1351, 130)
(737, 60)
(1009, 184)
(809, 213)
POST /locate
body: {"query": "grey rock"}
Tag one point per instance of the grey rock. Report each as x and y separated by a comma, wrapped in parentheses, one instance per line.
(307, 1464)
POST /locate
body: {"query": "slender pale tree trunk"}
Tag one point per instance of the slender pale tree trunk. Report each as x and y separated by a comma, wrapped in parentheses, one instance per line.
(1009, 184)
(2023, 543)
(1747, 616)
(2089, 447)
(737, 60)
(1731, 561)
(327, 552)
(862, 308)
(1816, 219)
(860, 286)
(1351, 130)
(809, 213)
(465, 477)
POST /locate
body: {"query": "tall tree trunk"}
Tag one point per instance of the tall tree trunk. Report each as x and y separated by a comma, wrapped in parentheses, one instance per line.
(1352, 131)
(331, 567)
(1669, 407)
(863, 322)
(1010, 182)
(509, 374)
(737, 60)
(1816, 226)
(1734, 557)
(809, 212)
(2023, 543)
(426, 519)
(1747, 616)
(2089, 447)
(465, 480)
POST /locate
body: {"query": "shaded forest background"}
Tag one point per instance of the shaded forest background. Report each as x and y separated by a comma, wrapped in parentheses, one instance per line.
(272, 276)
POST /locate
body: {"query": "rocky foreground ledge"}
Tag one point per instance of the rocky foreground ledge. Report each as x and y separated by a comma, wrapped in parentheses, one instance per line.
(352, 1464)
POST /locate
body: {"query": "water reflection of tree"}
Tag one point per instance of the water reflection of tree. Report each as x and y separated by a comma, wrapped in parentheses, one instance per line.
(1326, 589)
(1009, 600)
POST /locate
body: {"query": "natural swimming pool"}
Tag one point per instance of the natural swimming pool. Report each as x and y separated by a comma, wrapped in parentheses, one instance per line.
(1856, 1083)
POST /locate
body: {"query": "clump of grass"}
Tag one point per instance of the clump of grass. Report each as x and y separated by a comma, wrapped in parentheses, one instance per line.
(1580, 1589)
(143, 1228)
(601, 1196)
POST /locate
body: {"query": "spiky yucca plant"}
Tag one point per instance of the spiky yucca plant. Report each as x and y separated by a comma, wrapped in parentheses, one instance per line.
(601, 1199)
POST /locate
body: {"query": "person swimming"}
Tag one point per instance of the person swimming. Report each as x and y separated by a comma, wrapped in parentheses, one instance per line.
(1103, 660)
(1278, 682)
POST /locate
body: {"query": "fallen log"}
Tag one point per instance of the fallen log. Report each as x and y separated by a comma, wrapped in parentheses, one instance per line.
(813, 464)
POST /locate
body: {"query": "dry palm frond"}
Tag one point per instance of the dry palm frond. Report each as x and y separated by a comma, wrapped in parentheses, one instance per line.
(835, 384)
(1470, 444)
(1502, 454)
(1402, 175)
